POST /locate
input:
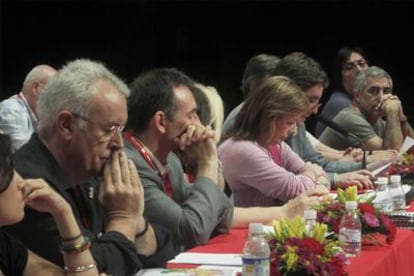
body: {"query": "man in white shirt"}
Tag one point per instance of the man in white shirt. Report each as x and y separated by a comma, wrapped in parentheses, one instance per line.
(18, 117)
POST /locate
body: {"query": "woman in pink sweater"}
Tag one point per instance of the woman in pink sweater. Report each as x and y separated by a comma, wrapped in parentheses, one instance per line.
(259, 166)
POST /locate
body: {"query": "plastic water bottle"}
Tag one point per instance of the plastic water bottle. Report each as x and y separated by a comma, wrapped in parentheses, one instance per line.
(350, 230)
(383, 200)
(256, 252)
(397, 193)
(310, 220)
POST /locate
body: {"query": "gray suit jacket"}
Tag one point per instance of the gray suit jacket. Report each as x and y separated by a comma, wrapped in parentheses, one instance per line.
(194, 213)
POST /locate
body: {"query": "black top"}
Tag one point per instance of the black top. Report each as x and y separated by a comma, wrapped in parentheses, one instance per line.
(13, 255)
(113, 252)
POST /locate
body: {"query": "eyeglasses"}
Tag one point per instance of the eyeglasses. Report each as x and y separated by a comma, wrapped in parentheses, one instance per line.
(349, 65)
(108, 132)
(314, 100)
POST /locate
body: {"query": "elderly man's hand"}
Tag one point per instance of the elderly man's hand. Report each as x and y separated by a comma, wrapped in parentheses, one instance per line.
(121, 192)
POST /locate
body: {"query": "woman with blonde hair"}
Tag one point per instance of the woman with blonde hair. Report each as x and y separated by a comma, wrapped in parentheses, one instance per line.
(213, 115)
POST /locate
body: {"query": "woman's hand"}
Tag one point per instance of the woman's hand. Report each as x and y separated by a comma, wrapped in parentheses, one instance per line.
(41, 197)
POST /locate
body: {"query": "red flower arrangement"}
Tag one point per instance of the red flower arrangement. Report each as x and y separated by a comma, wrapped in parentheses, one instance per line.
(404, 166)
(296, 252)
(376, 225)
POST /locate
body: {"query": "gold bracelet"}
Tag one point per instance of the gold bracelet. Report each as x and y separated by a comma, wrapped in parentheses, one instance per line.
(71, 239)
(76, 248)
(78, 269)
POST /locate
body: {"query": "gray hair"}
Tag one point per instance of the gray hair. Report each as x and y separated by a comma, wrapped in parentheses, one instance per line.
(42, 73)
(72, 89)
(372, 71)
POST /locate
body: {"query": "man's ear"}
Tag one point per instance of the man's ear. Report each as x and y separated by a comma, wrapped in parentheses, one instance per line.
(64, 124)
(160, 121)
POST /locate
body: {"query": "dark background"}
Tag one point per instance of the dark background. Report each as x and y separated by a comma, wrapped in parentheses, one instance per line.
(209, 40)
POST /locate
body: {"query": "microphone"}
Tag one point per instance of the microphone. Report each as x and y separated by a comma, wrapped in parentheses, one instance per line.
(335, 126)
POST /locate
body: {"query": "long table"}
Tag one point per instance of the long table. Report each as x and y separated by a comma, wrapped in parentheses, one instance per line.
(396, 259)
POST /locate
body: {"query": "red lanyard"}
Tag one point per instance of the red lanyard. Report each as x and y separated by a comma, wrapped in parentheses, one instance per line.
(147, 157)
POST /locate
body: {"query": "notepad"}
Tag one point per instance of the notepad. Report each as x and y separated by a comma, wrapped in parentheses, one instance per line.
(208, 259)
(408, 143)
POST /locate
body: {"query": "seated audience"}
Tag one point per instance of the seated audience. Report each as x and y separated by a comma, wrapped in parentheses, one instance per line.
(309, 75)
(18, 117)
(261, 169)
(348, 62)
(77, 150)
(15, 258)
(162, 118)
(211, 112)
(261, 66)
(376, 116)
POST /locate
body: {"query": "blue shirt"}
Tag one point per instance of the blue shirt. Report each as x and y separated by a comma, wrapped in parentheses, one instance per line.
(17, 120)
(338, 101)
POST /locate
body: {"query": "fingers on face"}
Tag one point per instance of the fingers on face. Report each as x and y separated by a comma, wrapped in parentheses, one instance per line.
(31, 185)
(119, 170)
(133, 174)
(124, 169)
(107, 173)
(201, 132)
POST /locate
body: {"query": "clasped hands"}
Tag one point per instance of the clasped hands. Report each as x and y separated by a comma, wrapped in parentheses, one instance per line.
(198, 145)
(391, 103)
(121, 193)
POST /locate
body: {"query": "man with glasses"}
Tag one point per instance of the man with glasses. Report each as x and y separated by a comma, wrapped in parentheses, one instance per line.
(348, 62)
(82, 112)
(309, 75)
(18, 117)
(15, 193)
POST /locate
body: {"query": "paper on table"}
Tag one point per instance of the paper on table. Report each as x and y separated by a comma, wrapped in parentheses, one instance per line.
(234, 270)
(408, 143)
(208, 259)
(199, 271)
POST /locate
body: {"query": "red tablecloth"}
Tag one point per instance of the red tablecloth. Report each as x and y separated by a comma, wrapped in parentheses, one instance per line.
(389, 260)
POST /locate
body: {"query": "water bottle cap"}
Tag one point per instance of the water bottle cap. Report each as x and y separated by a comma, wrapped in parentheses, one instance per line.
(351, 205)
(395, 178)
(256, 228)
(310, 214)
(382, 180)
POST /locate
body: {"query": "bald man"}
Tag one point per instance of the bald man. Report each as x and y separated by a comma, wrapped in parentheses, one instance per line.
(18, 117)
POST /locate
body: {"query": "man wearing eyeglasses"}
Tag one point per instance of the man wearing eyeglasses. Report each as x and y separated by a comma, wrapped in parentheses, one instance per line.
(82, 112)
(309, 75)
(349, 61)
(18, 117)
